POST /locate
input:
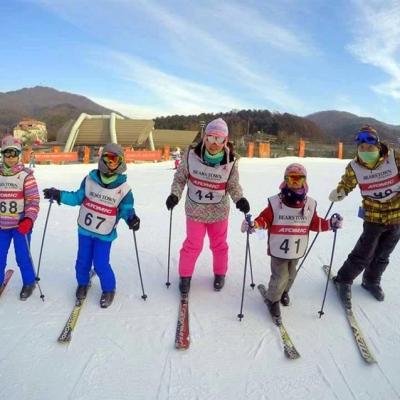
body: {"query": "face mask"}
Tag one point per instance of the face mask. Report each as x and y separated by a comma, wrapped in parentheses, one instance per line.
(369, 157)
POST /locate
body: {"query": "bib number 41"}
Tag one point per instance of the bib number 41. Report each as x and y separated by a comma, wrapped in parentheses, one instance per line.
(286, 248)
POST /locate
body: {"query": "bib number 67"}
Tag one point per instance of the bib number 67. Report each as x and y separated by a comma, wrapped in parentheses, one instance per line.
(89, 220)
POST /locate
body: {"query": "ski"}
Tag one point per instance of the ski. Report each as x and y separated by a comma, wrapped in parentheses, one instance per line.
(66, 334)
(7, 278)
(288, 346)
(182, 339)
(355, 328)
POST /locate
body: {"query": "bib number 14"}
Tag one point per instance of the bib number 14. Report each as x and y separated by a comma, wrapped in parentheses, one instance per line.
(286, 248)
(208, 195)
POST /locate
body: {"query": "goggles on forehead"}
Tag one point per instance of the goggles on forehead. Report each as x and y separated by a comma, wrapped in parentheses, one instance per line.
(299, 179)
(112, 158)
(215, 139)
(11, 153)
(367, 137)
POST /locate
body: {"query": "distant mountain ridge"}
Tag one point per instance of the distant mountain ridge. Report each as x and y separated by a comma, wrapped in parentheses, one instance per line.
(344, 125)
(46, 104)
(56, 108)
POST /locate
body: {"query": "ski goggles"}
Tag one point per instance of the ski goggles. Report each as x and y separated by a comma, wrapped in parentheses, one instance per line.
(215, 139)
(295, 179)
(367, 137)
(8, 153)
(112, 158)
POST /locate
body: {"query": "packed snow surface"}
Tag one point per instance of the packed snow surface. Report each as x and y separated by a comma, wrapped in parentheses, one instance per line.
(127, 351)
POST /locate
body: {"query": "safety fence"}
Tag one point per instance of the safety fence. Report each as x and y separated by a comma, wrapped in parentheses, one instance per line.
(301, 148)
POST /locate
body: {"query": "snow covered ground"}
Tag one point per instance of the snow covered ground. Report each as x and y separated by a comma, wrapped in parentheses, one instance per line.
(127, 351)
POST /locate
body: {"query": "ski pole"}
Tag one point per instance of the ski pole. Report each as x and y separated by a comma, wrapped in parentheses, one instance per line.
(252, 284)
(37, 278)
(240, 315)
(312, 243)
(321, 312)
(168, 283)
(33, 266)
(144, 296)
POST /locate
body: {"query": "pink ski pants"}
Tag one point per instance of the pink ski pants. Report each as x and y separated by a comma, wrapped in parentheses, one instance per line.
(193, 244)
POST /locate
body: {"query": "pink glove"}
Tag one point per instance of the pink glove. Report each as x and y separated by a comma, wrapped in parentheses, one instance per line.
(25, 226)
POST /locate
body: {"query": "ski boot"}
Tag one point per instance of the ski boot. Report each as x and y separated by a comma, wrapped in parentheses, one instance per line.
(106, 299)
(375, 289)
(26, 291)
(274, 310)
(285, 299)
(184, 284)
(219, 282)
(344, 290)
(81, 292)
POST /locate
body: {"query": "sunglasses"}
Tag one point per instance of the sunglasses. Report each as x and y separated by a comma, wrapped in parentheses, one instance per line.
(291, 179)
(11, 153)
(112, 158)
(215, 139)
(366, 137)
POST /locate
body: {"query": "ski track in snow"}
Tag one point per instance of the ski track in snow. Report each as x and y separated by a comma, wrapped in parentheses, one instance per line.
(127, 351)
(343, 376)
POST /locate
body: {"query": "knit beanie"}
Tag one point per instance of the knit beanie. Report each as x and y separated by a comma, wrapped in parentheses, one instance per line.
(217, 127)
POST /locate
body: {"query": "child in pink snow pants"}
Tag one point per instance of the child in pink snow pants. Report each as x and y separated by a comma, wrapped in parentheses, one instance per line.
(210, 172)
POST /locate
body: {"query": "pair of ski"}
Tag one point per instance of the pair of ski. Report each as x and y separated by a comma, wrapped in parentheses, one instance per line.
(182, 335)
(365, 352)
(66, 333)
(7, 277)
(292, 353)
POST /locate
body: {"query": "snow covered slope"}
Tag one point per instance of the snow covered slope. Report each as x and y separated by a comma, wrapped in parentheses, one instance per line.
(127, 351)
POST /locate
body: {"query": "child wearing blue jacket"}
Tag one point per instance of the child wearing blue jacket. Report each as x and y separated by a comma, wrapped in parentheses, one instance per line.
(104, 198)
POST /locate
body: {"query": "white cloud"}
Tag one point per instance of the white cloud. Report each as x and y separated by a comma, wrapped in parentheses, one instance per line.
(169, 94)
(198, 49)
(377, 41)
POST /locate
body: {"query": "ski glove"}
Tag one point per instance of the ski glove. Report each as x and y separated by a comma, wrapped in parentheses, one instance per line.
(243, 205)
(336, 222)
(134, 223)
(246, 227)
(52, 193)
(337, 195)
(25, 226)
(172, 201)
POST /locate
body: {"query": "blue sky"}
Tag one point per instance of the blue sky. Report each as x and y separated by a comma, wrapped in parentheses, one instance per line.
(151, 58)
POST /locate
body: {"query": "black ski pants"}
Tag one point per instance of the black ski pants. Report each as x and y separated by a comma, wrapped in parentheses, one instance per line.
(371, 253)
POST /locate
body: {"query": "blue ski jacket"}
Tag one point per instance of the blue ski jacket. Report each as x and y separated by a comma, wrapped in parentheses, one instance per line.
(125, 209)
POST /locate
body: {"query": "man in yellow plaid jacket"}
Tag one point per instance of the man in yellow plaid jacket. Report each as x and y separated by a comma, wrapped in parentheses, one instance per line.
(375, 170)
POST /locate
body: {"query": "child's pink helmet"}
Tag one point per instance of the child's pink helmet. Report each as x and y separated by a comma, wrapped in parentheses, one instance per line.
(295, 169)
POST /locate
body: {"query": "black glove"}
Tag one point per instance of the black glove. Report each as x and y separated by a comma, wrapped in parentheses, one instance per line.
(134, 223)
(172, 201)
(243, 205)
(52, 193)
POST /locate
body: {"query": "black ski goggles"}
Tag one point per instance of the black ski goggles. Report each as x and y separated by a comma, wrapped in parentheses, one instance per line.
(8, 153)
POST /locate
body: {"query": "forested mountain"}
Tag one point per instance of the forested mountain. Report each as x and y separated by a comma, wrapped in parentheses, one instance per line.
(55, 108)
(250, 122)
(343, 125)
(45, 104)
